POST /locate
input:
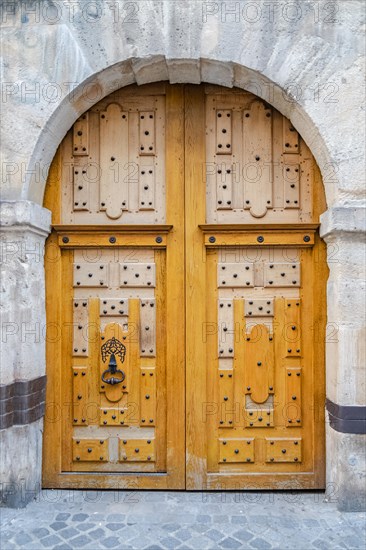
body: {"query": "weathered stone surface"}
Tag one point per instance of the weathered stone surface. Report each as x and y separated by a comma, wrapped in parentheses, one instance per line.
(20, 464)
(24, 227)
(346, 470)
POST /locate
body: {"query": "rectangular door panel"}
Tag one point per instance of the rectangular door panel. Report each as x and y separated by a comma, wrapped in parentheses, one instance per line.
(114, 395)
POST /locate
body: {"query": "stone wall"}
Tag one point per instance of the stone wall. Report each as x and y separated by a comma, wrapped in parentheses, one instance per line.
(304, 58)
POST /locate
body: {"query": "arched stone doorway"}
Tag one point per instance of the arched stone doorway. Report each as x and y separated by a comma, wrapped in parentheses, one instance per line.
(215, 194)
(222, 49)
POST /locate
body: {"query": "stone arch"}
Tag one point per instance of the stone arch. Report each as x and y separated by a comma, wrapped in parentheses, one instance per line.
(157, 68)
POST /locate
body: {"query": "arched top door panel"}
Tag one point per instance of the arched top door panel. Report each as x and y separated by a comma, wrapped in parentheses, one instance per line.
(256, 167)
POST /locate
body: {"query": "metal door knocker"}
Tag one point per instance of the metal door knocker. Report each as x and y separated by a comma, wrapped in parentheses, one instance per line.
(113, 347)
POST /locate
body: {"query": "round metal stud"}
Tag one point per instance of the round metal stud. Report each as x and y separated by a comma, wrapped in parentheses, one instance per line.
(159, 239)
(212, 239)
(65, 240)
(260, 239)
(306, 239)
(112, 240)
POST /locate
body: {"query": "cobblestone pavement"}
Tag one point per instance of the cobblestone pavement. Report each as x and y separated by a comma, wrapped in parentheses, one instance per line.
(169, 520)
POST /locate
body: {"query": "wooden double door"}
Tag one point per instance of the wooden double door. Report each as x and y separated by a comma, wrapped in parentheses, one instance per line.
(185, 297)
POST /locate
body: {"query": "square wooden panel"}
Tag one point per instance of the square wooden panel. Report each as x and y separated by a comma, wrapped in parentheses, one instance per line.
(236, 450)
(283, 450)
(137, 450)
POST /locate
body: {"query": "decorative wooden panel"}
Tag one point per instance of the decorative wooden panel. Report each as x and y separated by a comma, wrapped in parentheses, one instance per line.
(148, 396)
(80, 395)
(136, 274)
(226, 328)
(258, 387)
(147, 328)
(257, 134)
(91, 274)
(234, 275)
(259, 418)
(236, 450)
(113, 153)
(257, 167)
(147, 133)
(224, 184)
(290, 138)
(81, 136)
(137, 450)
(113, 416)
(293, 396)
(283, 450)
(115, 168)
(81, 186)
(259, 307)
(146, 187)
(115, 329)
(282, 275)
(226, 398)
(90, 450)
(291, 177)
(259, 364)
(111, 307)
(223, 131)
(80, 328)
(292, 328)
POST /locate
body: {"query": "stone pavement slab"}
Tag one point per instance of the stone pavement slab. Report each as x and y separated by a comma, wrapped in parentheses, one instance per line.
(70, 519)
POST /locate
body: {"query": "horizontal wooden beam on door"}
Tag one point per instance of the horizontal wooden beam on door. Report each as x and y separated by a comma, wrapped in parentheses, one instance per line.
(153, 236)
(219, 236)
